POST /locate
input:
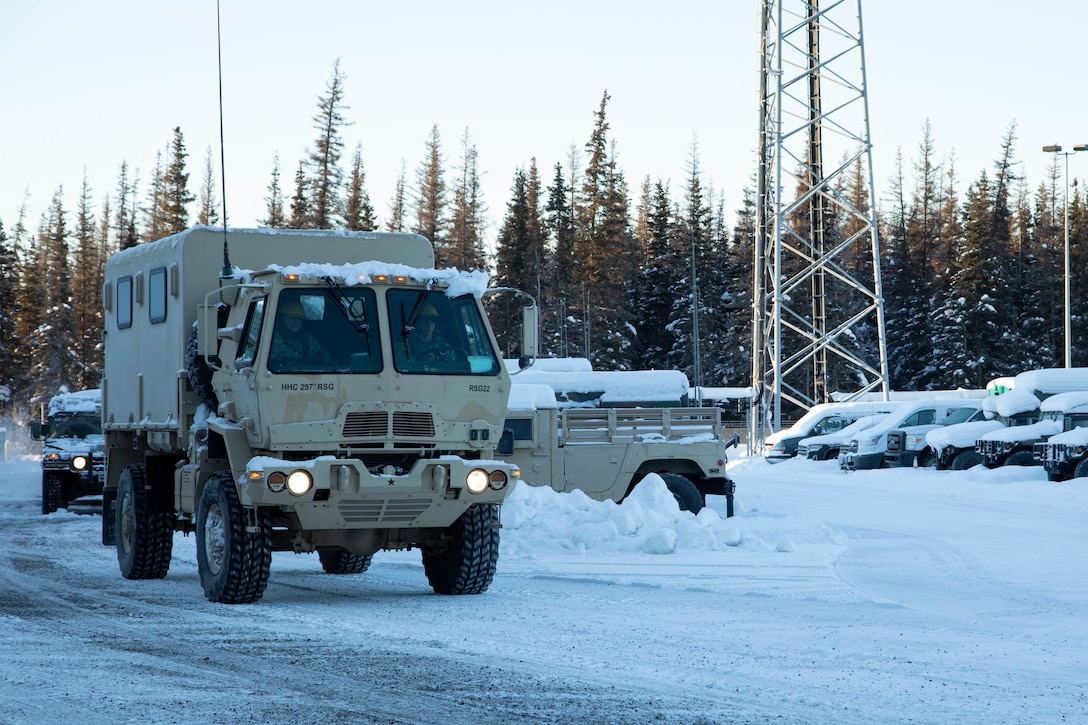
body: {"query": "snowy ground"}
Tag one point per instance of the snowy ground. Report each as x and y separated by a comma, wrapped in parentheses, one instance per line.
(878, 596)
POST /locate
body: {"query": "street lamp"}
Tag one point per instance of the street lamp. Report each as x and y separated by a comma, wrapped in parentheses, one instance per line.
(1056, 149)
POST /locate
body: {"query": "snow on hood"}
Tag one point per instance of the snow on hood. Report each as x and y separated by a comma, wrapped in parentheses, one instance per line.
(1075, 402)
(818, 412)
(961, 435)
(81, 401)
(531, 396)
(1010, 403)
(648, 521)
(460, 283)
(1024, 432)
(1076, 437)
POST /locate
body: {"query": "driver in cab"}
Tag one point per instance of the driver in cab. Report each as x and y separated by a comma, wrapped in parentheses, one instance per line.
(426, 343)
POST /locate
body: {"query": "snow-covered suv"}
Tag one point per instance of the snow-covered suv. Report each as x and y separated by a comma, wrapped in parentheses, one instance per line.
(72, 458)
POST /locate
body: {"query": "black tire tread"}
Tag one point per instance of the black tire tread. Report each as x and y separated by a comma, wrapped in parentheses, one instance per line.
(335, 560)
(153, 533)
(245, 571)
(685, 492)
(200, 375)
(469, 566)
(52, 492)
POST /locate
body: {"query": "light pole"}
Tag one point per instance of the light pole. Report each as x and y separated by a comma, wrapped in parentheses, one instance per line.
(1056, 149)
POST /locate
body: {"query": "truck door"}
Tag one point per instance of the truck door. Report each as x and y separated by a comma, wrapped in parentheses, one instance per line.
(243, 382)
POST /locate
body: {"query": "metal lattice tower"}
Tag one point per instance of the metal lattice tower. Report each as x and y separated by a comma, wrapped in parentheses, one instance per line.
(818, 304)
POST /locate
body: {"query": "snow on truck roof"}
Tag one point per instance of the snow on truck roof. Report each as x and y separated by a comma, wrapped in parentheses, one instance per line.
(1052, 380)
(617, 387)
(459, 283)
(1072, 402)
(81, 401)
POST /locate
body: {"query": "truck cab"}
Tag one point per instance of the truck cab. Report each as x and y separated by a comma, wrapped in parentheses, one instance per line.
(866, 449)
(908, 446)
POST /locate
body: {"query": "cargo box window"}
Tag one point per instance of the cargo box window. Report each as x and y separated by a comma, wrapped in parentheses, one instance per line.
(124, 302)
(156, 295)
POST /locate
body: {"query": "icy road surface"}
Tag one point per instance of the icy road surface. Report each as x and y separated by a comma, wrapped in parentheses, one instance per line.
(876, 596)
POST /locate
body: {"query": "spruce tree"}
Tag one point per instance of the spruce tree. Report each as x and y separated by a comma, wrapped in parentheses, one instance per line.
(326, 178)
(53, 342)
(301, 217)
(275, 218)
(10, 373)
(430, 197)
(513, 264)
(465, 244)
(397, 205)
(87, 277)
(559, 223)
(175, 181)
(358, 211)
(208, 198)
(654, 303)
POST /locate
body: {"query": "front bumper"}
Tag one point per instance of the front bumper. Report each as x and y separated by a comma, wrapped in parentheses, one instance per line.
(862, 461)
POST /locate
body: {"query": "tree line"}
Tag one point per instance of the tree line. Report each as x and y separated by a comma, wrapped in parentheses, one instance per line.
(973, 288)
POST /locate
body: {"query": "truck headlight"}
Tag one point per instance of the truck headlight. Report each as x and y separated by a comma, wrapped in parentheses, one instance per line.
(300, 482)
(498, 480)
(477, 480)
(80, 463)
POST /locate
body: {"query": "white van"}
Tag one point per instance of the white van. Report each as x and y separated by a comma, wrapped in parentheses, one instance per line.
(866, 450)
(821, 419)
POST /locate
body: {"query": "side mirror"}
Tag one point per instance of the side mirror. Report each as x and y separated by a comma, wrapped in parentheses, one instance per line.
(529, 337)
(734, 441)
(506, 443)
(36, 430)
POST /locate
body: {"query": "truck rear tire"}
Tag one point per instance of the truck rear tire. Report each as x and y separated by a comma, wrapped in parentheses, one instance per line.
(926, 459)
(233, 557)
(684, 491)
(145, 540)
(335, 560)
(966, 459)
(52, 492)
(468, 566)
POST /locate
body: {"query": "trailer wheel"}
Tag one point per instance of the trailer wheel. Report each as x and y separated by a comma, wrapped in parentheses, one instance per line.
(52, 492)
(1021, 458)
(200, 375)
(468, 566)
(1081, 471)
(966, 459)
(145, 540)
(684, 491)
(233, 556)
(335, 560)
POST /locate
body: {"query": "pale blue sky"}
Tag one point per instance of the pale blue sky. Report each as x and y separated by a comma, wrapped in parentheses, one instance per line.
(89, 84)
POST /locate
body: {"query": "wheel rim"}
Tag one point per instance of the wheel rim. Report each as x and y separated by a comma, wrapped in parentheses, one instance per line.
(128, 523)
(215, 544)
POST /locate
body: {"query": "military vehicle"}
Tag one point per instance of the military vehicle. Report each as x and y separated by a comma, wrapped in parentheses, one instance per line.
(72, 460)
(602, 433)
(1016, 446)
(287, 398)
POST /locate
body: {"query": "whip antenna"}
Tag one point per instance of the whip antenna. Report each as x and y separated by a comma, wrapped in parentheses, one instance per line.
(227, 271)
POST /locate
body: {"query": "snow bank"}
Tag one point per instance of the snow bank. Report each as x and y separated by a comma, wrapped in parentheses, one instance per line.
(539, 520)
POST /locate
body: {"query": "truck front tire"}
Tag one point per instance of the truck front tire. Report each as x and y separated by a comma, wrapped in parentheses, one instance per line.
(145, 540)
(468, 566)
(233, 557)
(966, 459)
(1021, 458)
(52, 492)
(684, 491)
(1081, 471)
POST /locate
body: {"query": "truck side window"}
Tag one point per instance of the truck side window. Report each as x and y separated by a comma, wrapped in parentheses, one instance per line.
(522, 428)
(251, 335)
(124, 302)
(156, 295)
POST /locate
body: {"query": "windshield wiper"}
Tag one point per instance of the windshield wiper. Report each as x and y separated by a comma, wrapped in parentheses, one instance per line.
(353, 310)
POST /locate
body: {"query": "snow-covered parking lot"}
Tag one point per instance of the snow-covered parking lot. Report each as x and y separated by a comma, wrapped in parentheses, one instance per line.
(878, 596)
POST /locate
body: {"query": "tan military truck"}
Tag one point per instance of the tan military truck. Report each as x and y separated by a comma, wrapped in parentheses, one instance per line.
(603, 432)
(269, 390)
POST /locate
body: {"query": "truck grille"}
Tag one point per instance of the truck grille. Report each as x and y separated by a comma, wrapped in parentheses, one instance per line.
(413, 424)
(401, 511)
(895, 440)
(367, 423)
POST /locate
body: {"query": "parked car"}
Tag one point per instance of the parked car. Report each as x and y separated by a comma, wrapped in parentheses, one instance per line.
(1013, 402)
(825, 447)
(907, 446)
(866, 449)
(1016, 446)
(822, 419)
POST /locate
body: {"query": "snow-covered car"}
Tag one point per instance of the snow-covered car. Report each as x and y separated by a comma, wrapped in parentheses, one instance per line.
(825, 447)
(1017, 404)
(821, 419)
(1016, 446)
(1065, 455)
(866, 449)
(907, 446)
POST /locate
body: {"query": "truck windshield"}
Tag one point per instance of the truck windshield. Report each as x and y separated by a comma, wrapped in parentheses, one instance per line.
(315, 332)
(76, 425)
(433, 333)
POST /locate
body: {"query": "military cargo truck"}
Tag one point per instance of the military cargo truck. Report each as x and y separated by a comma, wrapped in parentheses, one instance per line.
(72, 459)
(603, 432)
(314, 391)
